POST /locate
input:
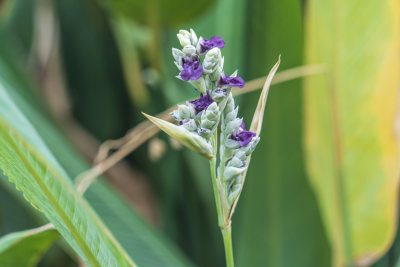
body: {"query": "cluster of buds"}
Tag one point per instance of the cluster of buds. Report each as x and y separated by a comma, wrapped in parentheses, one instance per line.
(201, 63)
(200, 116)
(236, 146)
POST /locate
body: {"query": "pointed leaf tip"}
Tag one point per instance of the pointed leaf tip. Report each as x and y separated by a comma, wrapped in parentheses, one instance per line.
(258, 116)
(256, 123)
(189, 139)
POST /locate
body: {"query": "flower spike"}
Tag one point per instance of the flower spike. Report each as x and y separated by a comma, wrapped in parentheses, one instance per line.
(199, 121)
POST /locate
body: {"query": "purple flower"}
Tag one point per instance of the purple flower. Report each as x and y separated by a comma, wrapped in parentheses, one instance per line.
(202, 103)
(230, 81)
(192, 69)
(242, 135)
(214, 41)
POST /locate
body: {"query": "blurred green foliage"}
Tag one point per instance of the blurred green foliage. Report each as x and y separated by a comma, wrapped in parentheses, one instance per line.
(277, 194)
(277, 223)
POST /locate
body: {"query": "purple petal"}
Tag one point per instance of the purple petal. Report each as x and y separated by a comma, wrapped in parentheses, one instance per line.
(230, 81)
(197, 72)
(185, 74)
(202, 103)
(245, 137)
(242, 135)
(214, 41)
(192, 69)
(217, 41)
(236, 82)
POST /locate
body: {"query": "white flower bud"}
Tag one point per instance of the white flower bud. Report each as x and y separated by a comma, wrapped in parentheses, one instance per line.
(189, 125)
(232, 172)
(241, 155)
(207, 124)
(208, 120)
(175, 114)
(231, 144)
(198, 46)
(230, 105)
(193, 37)
(186, 111)
(177, 54)
(211, 60)
(218, 94)
(236, 162)
(232, 115)
(216, 74)
(184, 38)
(204, 132)
(232, 125)
(189, 50)
(234, 193)
(212, 112)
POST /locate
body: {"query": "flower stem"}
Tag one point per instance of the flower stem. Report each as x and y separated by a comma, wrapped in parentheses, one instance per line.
(222, 223)
(227, 234)
(216, 192)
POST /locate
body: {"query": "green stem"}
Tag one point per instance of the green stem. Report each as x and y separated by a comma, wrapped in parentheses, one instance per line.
(227, 234)
(216, 192)
(222, 216)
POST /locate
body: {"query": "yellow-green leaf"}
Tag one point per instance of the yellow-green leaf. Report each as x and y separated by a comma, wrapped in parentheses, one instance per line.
(350, 123)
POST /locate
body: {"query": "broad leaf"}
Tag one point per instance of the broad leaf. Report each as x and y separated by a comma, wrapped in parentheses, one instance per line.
(145, 244)
(28, 163)
(350, 113)
(26, 248)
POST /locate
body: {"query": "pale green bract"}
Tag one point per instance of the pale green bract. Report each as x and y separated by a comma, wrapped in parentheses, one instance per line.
(185, 137)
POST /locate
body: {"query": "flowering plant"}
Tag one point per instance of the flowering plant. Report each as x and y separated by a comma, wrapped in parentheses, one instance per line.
(200, 121)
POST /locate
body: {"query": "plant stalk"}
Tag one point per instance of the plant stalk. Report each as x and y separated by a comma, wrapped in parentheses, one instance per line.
(222, 223)
(227, 235)
(216, 192)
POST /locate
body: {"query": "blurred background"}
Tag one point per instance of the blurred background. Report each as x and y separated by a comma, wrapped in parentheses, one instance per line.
(85, 69)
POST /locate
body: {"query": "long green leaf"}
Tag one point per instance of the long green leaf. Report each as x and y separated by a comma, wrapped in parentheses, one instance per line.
(352, 149)
(25, 248)
(145, 244)
(27, 162)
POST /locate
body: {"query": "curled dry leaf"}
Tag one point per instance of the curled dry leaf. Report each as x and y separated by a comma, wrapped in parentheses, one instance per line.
(258, 116)
(256, 123)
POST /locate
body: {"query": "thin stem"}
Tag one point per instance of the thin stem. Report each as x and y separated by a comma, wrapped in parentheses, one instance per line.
(224, 226)
(227, 234)
(216, 191)
(213, 168)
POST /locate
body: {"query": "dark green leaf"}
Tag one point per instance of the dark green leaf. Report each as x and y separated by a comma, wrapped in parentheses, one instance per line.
(25, 248)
